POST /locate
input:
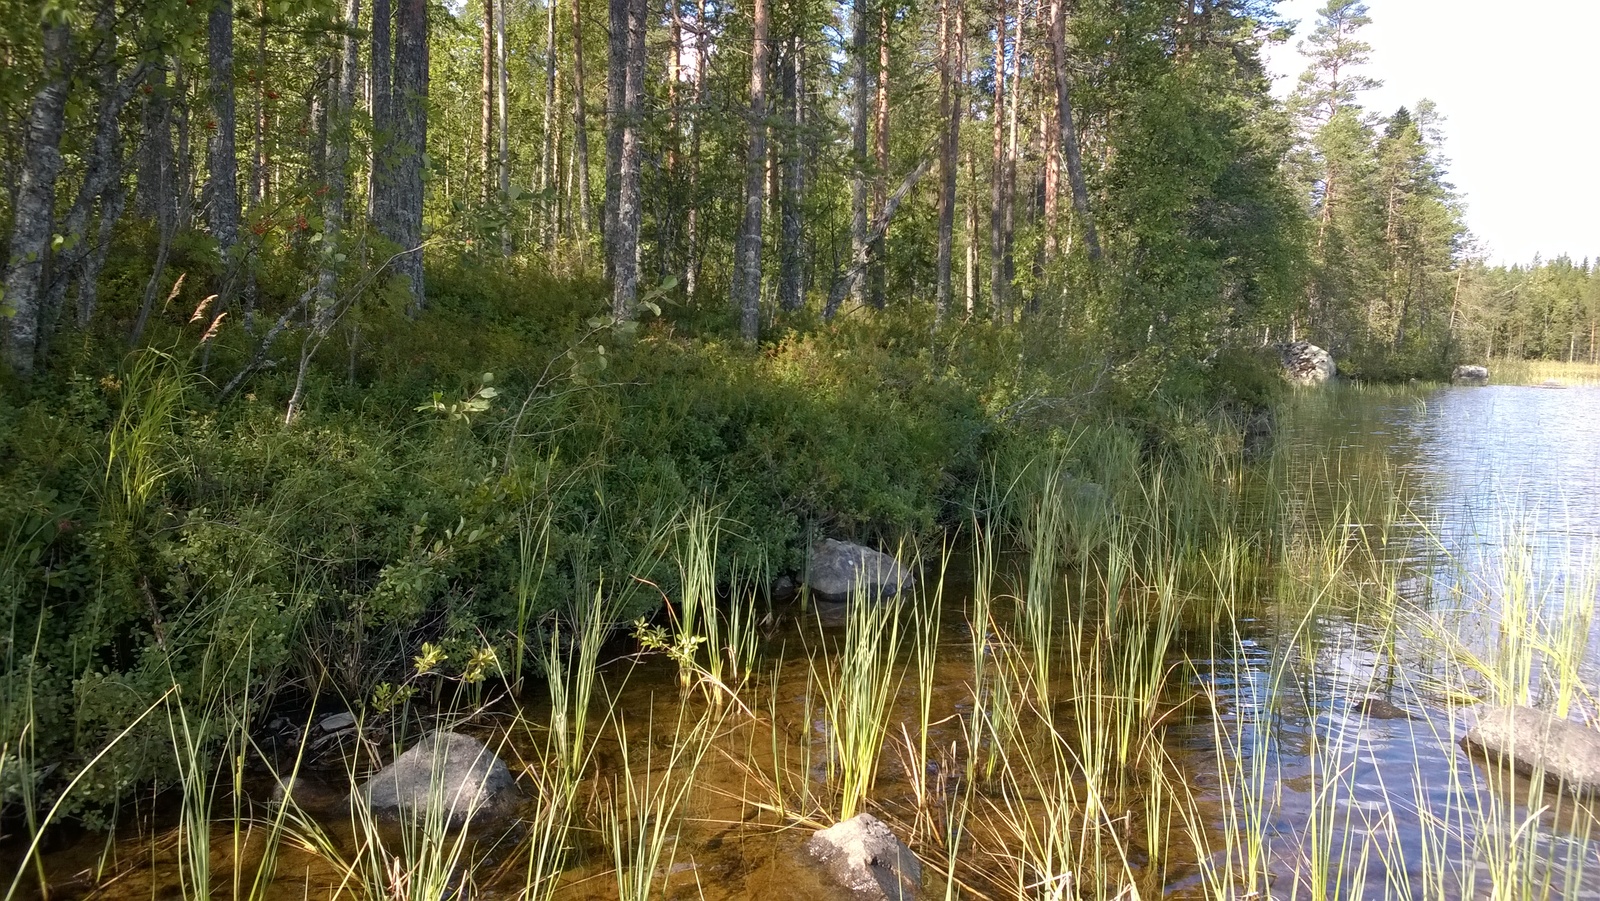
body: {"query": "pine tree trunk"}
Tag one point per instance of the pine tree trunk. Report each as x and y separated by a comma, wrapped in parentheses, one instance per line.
(877, 277)
(616, 86)
(951, 40)
(547, 162)
(625, 246)
(1008, 222)
(747, 263)
(580, 123)
(667, 221)
(486, 118)
(33, 214)
(341, 104)
(1050, 130)
(411, 141)
(560, 199)
(971, 292)
(1069, 136)
(381, 170)
(223, 161)
(258, 154)
(184, 177)
(502, 102)
(153, 168)
(858, 146)
(691, 276)
(791, 252)
(997, 171)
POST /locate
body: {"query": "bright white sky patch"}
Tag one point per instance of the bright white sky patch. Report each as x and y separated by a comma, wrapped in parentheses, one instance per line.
(1519, 88)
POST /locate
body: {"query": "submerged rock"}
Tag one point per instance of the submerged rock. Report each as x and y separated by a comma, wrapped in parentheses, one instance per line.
(1470, 375)
(337, 722)
(836, 568)
(1380, 709)
(447, 774)
(1305, 363)
(1539, 744)
(866, 858)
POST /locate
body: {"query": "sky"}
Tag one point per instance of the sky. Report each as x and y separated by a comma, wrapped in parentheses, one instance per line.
(1518, 85)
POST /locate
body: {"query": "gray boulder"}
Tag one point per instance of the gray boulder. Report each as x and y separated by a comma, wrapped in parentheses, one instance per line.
(1305, 363)
(835, 569)
(1539, 744)
(866, 858)
(446, 774)
(1469, 375)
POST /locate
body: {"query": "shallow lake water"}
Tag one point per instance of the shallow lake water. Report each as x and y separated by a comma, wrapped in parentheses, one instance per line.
(1320, 741)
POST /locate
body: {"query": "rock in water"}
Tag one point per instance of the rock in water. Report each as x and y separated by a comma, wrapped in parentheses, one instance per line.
(336, 722)
(868, 859)
(835, 568)
(1305, 363)
(1540, 744)
(1380, 709)
(1469, 375)
(446, 773)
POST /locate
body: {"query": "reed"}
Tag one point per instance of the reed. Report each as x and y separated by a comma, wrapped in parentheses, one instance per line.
(698, 622)
(644, 817)
(858, 684)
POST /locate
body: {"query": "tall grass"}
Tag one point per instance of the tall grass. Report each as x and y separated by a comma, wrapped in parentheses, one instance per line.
(1536, 372)
(642, 820)
(859, 679)
(1166, 684)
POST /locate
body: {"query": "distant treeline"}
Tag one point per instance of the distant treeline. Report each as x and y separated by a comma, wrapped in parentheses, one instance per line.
(1546, 310)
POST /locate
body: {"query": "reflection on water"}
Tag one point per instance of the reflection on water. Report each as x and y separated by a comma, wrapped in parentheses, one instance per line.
(1498, 495)
(1320, 737)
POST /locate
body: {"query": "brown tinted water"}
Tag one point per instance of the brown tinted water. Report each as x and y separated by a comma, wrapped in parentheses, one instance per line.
(1302, 742)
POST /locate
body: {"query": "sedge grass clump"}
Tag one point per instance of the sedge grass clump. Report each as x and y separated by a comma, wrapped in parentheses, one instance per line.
(644, 817)
(859, 680)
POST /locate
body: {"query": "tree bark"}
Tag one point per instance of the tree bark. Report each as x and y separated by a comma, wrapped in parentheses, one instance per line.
(702, 58)
(858, 175)
(876, 276)
(951, 42)
(102, 168)
(616, 88)
(258, 155)
(382, 174)
(502, 101)
(971, 292)
(667, 220)
(111, 207)
(997, 172)
(747, 264)
(341, 103)
(625, 247)
(1008, 219)
(486, 118)
(153, 175)
(1069, 135)
(223, 160)
(547, 162)
(411, 141)
(791, 251)
(880, 226)
(580, 124)
(33, 216)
